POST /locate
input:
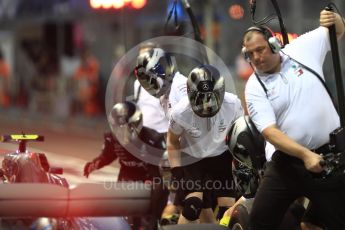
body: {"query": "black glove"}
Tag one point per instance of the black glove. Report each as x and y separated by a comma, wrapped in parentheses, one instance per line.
(89, 168)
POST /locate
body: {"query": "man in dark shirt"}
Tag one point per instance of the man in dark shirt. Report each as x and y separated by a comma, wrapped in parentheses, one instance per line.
(131, 168)
(127, 129)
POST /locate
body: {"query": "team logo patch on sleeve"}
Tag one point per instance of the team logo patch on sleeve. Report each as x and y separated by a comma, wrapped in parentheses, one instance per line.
(298, 72)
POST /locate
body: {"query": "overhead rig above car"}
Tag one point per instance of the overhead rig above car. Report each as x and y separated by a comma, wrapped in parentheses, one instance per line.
(22, 139)
(18, 137)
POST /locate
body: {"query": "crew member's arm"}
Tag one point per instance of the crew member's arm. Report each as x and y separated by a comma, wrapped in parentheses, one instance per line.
(108, 155)
(174, 156)
(152, 138)
(329, 18)
(282, 142)
(110, 150)
(173, 148)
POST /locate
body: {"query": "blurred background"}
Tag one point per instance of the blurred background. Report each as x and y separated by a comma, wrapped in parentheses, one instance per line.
(45, 42)
(56, 56)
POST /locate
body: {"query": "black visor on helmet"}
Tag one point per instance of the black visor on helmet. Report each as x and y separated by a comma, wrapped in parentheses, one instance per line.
(140, 73)
(148, 80)
(206, 104)
(205, 88)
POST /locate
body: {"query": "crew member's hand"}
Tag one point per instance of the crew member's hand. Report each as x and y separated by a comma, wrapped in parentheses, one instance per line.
(327, 18)
(312, 162)
(89, 168)
(164, 101)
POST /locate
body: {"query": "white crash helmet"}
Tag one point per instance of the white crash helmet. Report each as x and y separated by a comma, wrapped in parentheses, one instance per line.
(246, 143)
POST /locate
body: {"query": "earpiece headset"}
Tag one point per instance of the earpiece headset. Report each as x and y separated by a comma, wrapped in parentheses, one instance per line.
(272, 40)
(275, 46)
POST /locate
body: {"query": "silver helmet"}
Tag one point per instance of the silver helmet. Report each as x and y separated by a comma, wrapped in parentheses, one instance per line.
(205, 88)
(246, 143)
(126, 121)
(155, 71)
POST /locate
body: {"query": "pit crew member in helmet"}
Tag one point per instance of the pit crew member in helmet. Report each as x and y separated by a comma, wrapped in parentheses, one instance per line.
(127, 118)
(250, 152)
(198, 127)
(158, 80)
(150, 105)
(157, 74)
(126, 123)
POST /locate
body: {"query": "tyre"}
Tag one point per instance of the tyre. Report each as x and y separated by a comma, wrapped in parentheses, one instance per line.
(239, 219)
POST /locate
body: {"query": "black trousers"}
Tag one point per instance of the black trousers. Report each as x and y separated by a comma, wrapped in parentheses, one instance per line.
(212, 176)
(286, 179)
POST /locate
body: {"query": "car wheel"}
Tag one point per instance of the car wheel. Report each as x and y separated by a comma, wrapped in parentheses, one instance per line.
(239, 219)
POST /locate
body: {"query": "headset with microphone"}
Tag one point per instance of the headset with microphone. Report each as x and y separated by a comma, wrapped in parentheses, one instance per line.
(273, 42)
(276, 46)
